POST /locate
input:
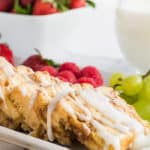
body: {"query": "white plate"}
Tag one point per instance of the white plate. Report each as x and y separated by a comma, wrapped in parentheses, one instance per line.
(106, 65)
(13, 137)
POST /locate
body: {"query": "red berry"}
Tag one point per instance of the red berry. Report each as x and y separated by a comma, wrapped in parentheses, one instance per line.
(43, 8)
(63, 79)
(37, 67)
(6, 52)
(25, 3)
(87, 80)
(70, 67)
(68, 75)
(51, 70)
(35, 62)
(13, 11)
(94, 73)
(77, 3)
(6, 5)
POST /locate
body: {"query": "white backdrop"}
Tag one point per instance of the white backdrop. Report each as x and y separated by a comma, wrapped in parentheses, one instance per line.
(98, 38)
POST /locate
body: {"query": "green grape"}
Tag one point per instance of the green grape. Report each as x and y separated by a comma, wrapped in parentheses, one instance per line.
(143, 109)
(129, 99)
(145, 92)
(147, 79)
(119, 88)
(132, 85)
(116, 79)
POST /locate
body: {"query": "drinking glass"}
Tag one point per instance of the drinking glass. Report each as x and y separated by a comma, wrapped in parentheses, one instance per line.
(133, 32)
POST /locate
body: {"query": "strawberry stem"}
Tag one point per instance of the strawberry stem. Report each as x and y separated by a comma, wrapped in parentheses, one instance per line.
(21, 10)
(91, 3)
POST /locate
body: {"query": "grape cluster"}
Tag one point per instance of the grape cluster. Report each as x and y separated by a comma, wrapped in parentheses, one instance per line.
(135, 89)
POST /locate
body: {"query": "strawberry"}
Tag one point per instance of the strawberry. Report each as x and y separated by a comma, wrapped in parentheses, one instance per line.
(51, 70)
(43, 8)
(6, 52)
(77, 4)
(68, 76)
(25, 3)
(94, 73)
(70, 66)
(87, 80)
(6, 5)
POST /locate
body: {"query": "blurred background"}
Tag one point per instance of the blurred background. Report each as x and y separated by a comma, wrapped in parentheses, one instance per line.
(99, 37)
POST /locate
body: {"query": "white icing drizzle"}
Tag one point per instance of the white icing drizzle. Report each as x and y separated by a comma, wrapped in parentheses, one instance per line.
(33, 97)
(31, 90)
(114, 140)
(85, 117)
(86, 128)
(2, 97)
(68, 108)
(63, 91)
(45, 80)
(123, 121)
(142, 142)
(27, 78)
(24, 90)
(7, 67)
(108, 122)
(101, 102)
(119, 102)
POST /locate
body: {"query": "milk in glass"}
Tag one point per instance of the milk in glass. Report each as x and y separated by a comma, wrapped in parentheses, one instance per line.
(133, 29)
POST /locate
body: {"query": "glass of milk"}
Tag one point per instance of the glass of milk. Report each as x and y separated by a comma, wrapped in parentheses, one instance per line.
(133, 31)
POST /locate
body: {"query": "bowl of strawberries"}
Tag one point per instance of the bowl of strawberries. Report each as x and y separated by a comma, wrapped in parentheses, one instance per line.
(48, 25)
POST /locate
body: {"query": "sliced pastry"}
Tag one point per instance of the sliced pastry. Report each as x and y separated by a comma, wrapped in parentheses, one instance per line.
(50, 109)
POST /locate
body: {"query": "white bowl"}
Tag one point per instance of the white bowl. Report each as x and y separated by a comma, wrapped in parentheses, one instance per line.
(51, 34)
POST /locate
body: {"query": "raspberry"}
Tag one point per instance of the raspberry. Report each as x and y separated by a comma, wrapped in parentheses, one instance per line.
(51, 70)
(87, 80)
(77, 3)
(68, 75)
(35, 62)
(63, 79)
(92, 72)
(6, 52)
(70, 67)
